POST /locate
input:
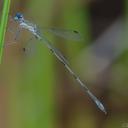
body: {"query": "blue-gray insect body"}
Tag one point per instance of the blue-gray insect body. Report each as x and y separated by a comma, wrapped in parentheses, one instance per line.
(24, 24)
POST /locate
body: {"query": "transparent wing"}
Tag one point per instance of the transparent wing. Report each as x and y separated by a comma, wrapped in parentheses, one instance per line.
(64, 33)
(30, 48)
(55, 51)
(13, 28)
(12, 34)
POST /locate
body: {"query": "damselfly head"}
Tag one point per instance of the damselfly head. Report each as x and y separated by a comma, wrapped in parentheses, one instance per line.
(18, 17)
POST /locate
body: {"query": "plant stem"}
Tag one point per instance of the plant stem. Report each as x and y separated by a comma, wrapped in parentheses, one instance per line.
(3, 24)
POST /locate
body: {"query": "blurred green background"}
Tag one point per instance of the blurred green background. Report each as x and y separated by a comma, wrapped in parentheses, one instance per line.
(36, 91)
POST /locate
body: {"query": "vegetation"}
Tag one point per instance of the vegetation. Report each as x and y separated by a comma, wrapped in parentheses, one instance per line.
(3, 24)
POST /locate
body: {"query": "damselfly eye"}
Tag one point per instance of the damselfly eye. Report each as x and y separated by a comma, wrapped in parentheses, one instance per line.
(18, 16)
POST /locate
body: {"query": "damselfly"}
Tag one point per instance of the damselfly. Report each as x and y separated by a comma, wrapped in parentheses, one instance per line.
(35, 31)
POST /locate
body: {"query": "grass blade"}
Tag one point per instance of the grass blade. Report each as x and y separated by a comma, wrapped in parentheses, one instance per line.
(3, 24)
